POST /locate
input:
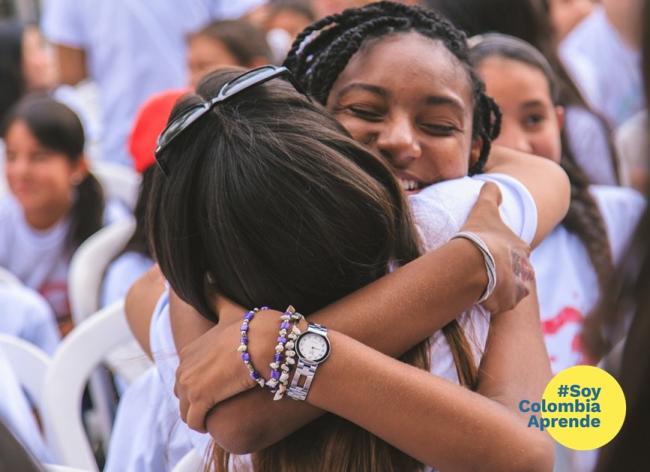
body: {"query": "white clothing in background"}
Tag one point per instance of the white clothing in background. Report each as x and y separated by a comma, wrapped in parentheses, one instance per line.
(39, 258)
(26, 315)
(121, 274)
(134, 48)
(567, 287)
(587, 138)
(16, 413)
(632, 144)
(607, 71)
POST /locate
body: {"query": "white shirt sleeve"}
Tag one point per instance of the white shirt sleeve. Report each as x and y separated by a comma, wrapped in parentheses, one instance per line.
(441, 209)
(63, 22)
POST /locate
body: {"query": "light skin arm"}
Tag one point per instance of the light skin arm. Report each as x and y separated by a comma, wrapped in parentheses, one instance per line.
(71, 64)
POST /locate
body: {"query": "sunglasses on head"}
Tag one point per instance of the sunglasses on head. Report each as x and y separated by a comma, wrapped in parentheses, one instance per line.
(231, 88)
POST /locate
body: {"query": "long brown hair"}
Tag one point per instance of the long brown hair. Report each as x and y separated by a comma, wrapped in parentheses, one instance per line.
(272, 197)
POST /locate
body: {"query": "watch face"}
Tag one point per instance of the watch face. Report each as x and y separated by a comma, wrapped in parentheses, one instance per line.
(313, 347)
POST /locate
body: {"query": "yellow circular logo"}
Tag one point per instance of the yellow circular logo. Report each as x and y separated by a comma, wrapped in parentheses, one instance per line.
(582, 408)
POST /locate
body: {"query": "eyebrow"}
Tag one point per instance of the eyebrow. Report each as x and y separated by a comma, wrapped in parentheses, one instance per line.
(532, 103)
(376, 90)
(365, 87)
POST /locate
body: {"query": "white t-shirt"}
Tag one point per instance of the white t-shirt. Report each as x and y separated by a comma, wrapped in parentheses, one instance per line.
(16, 413)
(39, 258)
(26, 315)
(121, 274)
(134, 48)
(439, 211)
(607, 70)
(569, 291)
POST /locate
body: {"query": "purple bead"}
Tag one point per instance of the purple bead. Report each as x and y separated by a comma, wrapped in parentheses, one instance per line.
(245, 356)
(249, 316)
(277, 357)
(243, 340)
(284, 325)
(282, 339)
(264, 308)
(275, 375)
(244, 327)
(255, 375)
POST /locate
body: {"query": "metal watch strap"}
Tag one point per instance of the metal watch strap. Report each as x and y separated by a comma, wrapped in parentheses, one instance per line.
(305, 369)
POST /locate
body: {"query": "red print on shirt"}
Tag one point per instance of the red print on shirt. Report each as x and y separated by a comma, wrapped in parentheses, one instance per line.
(554, 325)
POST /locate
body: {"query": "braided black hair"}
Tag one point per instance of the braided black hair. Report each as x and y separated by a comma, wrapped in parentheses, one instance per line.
(322, 51)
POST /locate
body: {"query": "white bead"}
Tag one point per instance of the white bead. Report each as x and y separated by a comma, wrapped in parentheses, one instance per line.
(285, 317)
(291, 361)
(278, 396)
(289, 345)
(274, 365)
(282, 332)
(284, 367)
(260, 382)
(284, 377)
(279, 348)
(242, 348)
(271, 383)
(295, 330)
(290, 353)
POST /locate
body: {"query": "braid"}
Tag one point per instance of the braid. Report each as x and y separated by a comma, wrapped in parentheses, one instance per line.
(322, 51)
(585, 220)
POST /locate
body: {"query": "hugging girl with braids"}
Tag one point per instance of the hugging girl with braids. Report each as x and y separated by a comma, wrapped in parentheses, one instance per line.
(439, 127)
(574, 264)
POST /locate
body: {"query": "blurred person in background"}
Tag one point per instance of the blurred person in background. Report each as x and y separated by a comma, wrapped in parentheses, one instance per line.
(566, 14)
(131, 49)
(588, 134)
(55, 203)
(603, 56)
(225, 43)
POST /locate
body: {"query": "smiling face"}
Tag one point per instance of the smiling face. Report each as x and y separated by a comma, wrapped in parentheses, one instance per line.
(42, 180)
(531, 122)
(409, 100)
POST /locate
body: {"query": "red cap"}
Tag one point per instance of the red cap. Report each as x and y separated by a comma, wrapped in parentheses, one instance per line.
(149, 123)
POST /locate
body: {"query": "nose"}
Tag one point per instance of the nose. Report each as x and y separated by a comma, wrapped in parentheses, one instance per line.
(512, 136)
(398, 141)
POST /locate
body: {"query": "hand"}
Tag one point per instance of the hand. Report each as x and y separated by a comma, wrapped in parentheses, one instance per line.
(515, 275)
(211, 369)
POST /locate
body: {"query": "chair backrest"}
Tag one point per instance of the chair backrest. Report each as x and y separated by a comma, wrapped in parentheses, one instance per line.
(117, 181)
(8, 278)
(89, 264)
(191, 462)
(30, 364)
(78, 354)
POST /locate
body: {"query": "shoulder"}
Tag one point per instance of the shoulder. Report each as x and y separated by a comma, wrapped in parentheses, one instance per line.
(621, 208)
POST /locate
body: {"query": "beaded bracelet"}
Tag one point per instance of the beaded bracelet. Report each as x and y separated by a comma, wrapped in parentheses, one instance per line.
(243, 346)
(286, 343)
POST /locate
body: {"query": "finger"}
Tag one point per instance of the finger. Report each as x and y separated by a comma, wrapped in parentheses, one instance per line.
(196, 417)
(491, 193)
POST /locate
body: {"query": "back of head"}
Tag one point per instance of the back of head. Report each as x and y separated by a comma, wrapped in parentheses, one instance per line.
(524, 19)
(269, 196)
(11, 66)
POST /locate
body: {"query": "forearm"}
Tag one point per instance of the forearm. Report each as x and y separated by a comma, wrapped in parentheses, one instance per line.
(515, 365)
(391, 315)
(435, 421)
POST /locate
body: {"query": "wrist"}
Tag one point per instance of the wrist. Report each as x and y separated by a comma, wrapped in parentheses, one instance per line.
(471, 259)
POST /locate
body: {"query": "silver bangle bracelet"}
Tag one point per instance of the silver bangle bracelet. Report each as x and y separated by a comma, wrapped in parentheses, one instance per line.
(488, 258)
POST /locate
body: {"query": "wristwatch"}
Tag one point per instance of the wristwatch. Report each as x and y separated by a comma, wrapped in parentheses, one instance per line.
(312, 349)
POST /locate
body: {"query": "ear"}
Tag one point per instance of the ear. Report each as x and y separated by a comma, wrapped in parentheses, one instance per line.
(79, 170)
(475, 151)
(560, 115)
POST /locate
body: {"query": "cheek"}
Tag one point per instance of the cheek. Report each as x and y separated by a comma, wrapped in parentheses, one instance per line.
(448, 157)
(361, 131)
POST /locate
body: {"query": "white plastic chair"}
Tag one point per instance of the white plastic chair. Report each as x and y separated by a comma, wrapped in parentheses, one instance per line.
(118, 181)
(191, 462)
(8, 278)
(30, 364)
(61, 468)
(85, 276)
(89, 264)
(77, 356)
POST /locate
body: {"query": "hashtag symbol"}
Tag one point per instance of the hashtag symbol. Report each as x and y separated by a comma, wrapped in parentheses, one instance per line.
(563, 391)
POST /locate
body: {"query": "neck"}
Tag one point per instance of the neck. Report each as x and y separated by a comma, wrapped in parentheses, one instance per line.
(45, 218)
(626, 20)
